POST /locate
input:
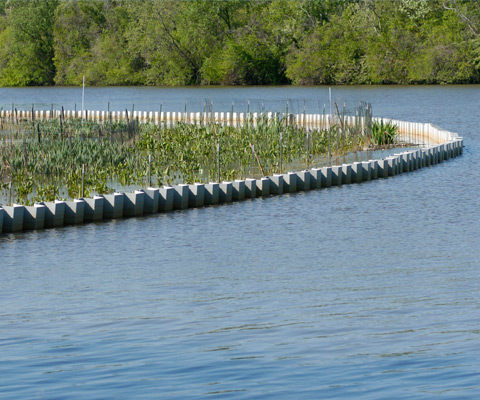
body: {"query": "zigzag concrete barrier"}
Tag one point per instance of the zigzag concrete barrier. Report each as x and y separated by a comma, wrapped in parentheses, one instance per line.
(442, 145)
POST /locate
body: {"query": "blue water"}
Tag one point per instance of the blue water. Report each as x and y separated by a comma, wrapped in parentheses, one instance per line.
(361, 291)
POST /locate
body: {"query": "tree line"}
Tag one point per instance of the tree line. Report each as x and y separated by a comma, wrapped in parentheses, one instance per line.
(239, 42)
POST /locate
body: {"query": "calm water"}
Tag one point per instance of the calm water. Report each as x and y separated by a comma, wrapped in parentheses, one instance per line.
(363, 291)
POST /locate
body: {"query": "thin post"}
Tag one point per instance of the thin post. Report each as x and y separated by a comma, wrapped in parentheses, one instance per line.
(257, 158)
(61, 124)
(25, 160)
(344, 131)
(330, 129)
(149, 170)
(83, 96)
(83, 180)
(286, 114)
(304, 115)
(281, 151)
(110, 125)
(308, 149)
(33, 121)
(218, 161)
(330, 97)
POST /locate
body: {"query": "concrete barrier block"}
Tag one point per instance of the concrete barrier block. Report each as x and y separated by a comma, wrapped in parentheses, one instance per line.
(54, 214)
(2, 212)
(290, 182)
(436, 155)
(392, 165)
(276, 184)
(382, 168)
(74, 212)
(93, 208)
(133, 203)
(13, 218)
(303, 180)
(459, 144)
(113, 205)
(326, 176)
(315, 178)
(441, 155)
(238, 190)
(347, 173)
(180, 198)
(212, 193)
(374, 169)
(426, 157)
(410, 161)
(225, 193)
(337, 175)
(263, 187)
(166, 198)
(34, 217)
(366, 171)
(150, 203)
(432, 157)
(250, 188)
(418, 157)
(415, 160)
(405, 161)
(196, 195)
(357, 172)
(399, 163)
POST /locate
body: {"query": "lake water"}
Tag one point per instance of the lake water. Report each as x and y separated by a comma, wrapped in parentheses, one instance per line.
(360, 291)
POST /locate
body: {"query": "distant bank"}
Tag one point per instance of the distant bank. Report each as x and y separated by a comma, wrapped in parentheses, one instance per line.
(241, 42)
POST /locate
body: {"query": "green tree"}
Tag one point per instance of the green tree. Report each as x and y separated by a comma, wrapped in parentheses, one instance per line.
(73, 47)
(26, 52)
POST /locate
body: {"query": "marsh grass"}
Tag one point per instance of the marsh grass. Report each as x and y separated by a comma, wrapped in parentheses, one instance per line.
(42, 160)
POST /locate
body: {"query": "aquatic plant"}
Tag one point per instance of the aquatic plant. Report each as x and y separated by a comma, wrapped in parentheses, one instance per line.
(43, 159)
(384, 133)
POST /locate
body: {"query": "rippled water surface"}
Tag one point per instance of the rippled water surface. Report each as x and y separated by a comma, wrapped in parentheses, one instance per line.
(362, 291)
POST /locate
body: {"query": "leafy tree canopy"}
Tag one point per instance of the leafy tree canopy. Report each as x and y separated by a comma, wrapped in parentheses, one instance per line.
(238, 42)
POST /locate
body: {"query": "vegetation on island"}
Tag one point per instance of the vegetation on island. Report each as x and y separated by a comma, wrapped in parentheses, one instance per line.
(42, 160)
(238, 42)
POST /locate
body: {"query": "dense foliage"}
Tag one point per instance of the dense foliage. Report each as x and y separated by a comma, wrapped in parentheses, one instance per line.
(245, 42)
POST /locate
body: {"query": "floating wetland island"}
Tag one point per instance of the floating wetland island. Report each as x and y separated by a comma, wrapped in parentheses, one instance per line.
(58, 166)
